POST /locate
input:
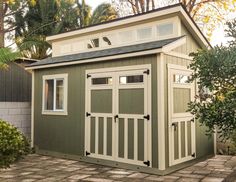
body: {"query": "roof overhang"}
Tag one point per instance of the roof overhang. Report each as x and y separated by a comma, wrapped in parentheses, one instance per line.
(164, 49)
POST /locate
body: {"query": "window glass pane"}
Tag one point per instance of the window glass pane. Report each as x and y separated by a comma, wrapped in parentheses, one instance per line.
(144, 33)
(100, 81)
(180, 78)
(126, 36)
(131, 79)
(93, 43)
(49, 89)
(165, 29)
(59, 94)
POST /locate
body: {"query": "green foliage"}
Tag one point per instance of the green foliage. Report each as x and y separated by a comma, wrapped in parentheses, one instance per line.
(215, 71)
(13, 144)
(6, 56)
(104, 12)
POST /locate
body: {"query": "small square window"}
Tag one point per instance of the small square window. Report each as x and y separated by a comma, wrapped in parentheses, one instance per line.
(102, 81)
(144, 33)
(55, 94)
(93, 43)
(131, 79)
(165, 29)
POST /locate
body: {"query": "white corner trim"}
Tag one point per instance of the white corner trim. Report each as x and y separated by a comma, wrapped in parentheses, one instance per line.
(65, 81)
(179, 55)
(32, 110)
(215, 142)
(161, 112)
(174, 44)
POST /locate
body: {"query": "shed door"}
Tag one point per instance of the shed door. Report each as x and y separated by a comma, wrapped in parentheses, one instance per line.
(181, 122)
(118, 122)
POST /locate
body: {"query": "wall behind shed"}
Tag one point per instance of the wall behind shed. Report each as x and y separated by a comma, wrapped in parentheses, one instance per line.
(15, 84)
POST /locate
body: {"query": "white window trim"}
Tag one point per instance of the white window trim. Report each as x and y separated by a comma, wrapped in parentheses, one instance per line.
(54, 111)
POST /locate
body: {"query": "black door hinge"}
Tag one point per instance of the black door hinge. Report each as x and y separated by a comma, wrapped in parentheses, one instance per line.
(192, 120)
(88, 114)
(87, 153)
(88, 76)
(146, 163)
(193, 155)
(147, 72)
(147, 117)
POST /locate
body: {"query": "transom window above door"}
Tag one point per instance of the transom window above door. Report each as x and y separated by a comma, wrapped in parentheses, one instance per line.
(55, 94)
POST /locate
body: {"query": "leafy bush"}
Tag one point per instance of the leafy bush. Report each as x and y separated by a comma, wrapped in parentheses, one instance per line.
(13, 144)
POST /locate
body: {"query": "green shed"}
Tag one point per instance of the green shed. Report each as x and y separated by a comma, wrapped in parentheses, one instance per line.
(116, 94)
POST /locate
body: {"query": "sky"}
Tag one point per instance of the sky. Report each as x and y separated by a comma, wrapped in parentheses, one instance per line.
(218, 36)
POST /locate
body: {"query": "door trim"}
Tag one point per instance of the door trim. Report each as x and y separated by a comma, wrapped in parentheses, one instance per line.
(147, 101)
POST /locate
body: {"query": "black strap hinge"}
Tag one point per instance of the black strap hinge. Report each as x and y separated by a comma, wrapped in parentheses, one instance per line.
(88, 76)
(147, 72)
(147, 117)
(146, 163)
(193, 155)
(88, 114)
(87, 153)
(192, 120)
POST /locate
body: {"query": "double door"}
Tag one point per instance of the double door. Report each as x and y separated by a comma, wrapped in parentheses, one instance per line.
(118, 120)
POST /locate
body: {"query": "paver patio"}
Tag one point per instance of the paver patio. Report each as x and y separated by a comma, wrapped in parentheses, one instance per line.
(48, 169)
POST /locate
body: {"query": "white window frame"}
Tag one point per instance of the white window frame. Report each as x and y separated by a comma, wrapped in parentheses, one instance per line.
(55, 111)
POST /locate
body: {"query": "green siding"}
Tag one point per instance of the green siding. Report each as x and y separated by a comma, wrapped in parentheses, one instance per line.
(65, 134)
(190, 46)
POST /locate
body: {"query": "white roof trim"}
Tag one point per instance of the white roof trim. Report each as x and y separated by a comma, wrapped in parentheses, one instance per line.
(195, 28)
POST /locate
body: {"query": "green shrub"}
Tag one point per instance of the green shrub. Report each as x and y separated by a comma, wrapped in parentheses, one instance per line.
(13, 144)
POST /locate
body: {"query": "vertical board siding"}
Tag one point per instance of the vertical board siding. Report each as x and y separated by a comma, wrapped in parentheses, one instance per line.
(65, 134)
(15, 84)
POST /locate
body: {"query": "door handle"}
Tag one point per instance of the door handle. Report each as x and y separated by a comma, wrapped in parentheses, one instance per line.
(175, 126)
(116, 117)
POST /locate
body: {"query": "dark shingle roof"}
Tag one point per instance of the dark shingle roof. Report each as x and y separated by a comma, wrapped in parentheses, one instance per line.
(105, 52)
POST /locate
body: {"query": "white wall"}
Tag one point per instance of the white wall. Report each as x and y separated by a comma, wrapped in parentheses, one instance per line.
(18, 114)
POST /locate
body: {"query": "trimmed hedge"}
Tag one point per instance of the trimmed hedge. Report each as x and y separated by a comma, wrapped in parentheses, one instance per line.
(13, 144)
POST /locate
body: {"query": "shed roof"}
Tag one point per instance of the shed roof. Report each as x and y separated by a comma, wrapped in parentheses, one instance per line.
(104, 53)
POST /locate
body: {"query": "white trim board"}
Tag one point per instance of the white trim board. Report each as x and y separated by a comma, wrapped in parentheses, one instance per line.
(32, 111)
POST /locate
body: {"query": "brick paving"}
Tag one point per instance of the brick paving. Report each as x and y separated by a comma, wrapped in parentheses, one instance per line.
(48, 169)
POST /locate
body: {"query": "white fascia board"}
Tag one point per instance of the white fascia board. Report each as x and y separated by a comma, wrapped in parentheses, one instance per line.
(202, 40)
(142, 53)
(116, 23)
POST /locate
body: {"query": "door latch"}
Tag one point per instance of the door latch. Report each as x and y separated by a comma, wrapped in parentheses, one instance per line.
(175, 126)
(116, 117)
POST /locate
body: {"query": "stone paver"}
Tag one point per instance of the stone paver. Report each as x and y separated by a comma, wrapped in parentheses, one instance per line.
(37, 168)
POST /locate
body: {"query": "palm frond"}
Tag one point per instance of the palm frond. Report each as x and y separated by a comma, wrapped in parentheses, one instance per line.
(7, 56)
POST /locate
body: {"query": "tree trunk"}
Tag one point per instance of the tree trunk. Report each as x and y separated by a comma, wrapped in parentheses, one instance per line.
(1, 24)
